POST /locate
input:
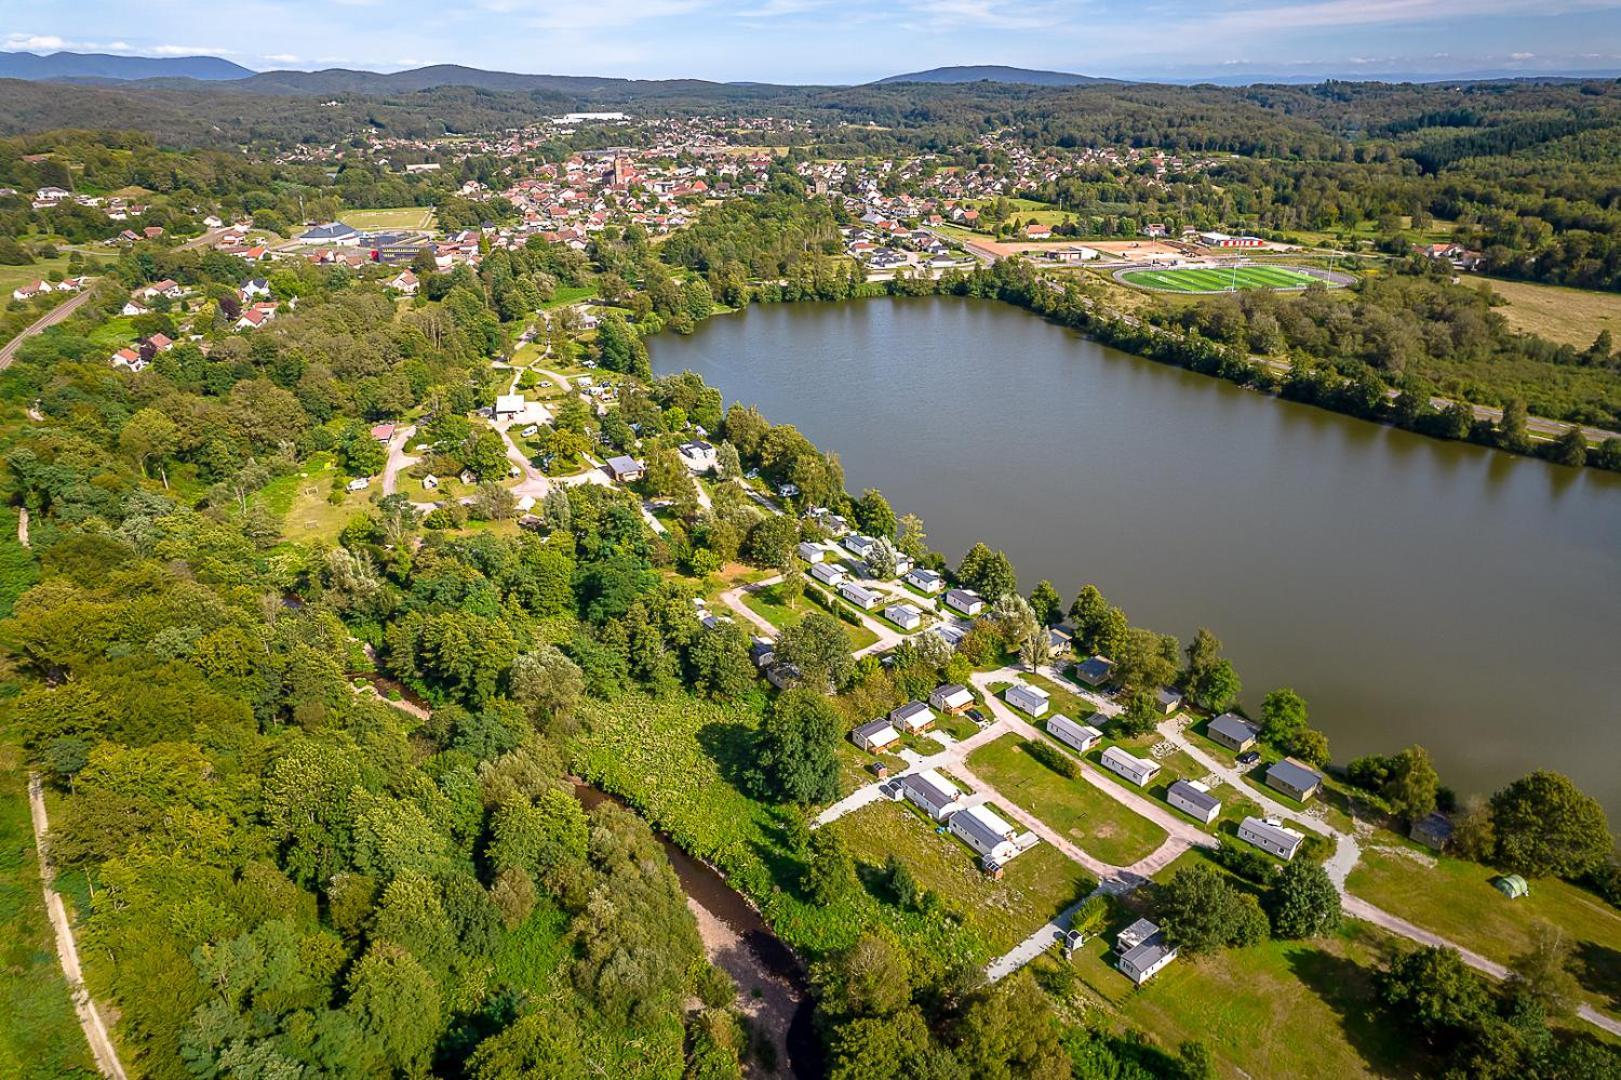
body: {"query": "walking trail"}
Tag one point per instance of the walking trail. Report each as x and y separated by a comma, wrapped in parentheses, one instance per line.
(67, 949)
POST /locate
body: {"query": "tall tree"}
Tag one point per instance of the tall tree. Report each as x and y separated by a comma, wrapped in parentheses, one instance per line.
(1546, 826)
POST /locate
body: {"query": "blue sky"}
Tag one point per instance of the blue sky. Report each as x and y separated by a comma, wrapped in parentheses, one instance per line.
(842, 41)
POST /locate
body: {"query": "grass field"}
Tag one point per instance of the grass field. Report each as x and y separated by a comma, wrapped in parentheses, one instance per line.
(399, 217)
(1282, 1008)
(1214, 279)
(39, 1035)
(1566, 316)
(1035, 886)
(770, 604)
(1096, 823)
(13, 277)
(1455, 898)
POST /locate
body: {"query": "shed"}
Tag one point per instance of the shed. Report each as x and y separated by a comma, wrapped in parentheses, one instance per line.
(1433, 830)
(625, 469)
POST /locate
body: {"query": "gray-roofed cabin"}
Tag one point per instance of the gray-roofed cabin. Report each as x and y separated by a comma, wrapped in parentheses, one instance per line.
(1194, 800)
(1233, 731)
(1293, 779)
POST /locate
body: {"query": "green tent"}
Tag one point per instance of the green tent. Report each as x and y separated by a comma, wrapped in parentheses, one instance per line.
(1512, 886)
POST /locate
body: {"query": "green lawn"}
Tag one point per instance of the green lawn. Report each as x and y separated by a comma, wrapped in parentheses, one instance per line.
(1213, 279)
(1063, 701)
(569, 294)
(1096, 823)
(302, 500)
(39, 1034)
(398, 217)
(1455, 898)
(1036, 886)
(770, 604)
(12, 277)
(115, 333)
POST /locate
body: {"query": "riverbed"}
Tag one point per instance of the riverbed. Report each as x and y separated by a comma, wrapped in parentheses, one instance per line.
(1414, 591)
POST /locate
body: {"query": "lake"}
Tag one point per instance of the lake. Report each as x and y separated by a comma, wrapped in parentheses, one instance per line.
(1412, 590)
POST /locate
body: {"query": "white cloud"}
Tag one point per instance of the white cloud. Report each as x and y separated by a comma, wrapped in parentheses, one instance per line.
(281, 58)
(31, 42)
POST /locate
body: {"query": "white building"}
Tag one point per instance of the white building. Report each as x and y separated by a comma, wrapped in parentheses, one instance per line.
(1027, 699)
(983, 829)
(951, 697)
(811, 553)
(858, 545)
(509, 405)
(904, 616)
(863, 598)
(926, 581)
(1133, 768)
(828, 573)
(1078, 737)
(965, 601)
(933, 793)
(1193, 799)
(1141, 950)
(1271, 836)
(913, 716)
(698, 456)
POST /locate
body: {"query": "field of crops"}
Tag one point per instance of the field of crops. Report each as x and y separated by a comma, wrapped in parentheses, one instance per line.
(1219, 279)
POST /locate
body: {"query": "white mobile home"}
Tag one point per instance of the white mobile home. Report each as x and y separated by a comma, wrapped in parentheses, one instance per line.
(904, 616)
(1079, 737)
(1141, 950)
(1133, 768)
(811, 553)
(1027, 699)
(828, 573)
(1272, 837)
(936, 795)
(965, 601)
(865, 599)
(924, 580)
(1193, 799)
(983, 829)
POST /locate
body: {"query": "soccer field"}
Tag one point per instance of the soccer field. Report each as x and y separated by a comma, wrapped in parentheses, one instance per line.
(1219, 279)
(403, 217)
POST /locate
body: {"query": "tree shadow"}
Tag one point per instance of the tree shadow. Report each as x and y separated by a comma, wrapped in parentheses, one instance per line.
(731, 748)
(1598, 969)
(1346, 987)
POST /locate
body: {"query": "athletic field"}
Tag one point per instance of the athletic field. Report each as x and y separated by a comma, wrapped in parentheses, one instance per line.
(400, 217)
(1221, 279)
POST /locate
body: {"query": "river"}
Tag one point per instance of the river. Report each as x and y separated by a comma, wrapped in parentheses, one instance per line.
(1412, 590)
(773, 990)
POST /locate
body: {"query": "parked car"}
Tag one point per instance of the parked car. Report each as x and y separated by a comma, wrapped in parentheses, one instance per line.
(1249, 757)
(978, 717)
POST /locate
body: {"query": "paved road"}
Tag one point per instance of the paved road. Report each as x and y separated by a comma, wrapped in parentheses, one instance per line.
(67, 949)
(398, 459)
(8, 351)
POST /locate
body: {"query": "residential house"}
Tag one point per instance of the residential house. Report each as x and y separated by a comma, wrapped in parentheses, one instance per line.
(984, 830)
(1095, 671)
(1141, 950)
(254, 287)
(1130, 766)
(965, 601)
(405, 282)
(874, 735)
(1271, 836)
(951, 698)
(932, 792)
(509, 405)
(1233, 731)
(858, 545)
(1031, 700)
(926, 581)
(31, 290)
(830, 574)
(914, 716)
(865, 599)
(1296, 780)
(1079, 737)
(625, 469)
(128, 359)
(133, 307)
(904, 616)
(698, 456)
(1193, 799)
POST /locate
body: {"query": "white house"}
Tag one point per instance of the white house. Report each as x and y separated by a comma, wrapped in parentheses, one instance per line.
(913, 716)
(509, 405)
(405, 282)
(874, 735)
(811, 553)
(1271, 836)
(904, 616)
(1193, 799)
(698, 456)
(926, 581)
(983, 829)
(1133, 768)
(31, 290)
(951, 698)
(858, 545)
(828, 573)
(865, 599)
(1141, 950)
(965, 601)
(1027, 699)
(1079, 737)
(936, 795)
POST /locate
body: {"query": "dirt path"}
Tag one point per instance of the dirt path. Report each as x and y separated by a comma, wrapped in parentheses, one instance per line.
(67, 950)
(22, 526)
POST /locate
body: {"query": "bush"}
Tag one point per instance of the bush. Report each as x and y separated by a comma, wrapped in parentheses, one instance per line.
(1055, 759)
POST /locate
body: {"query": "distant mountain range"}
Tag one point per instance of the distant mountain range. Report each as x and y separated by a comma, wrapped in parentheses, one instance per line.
(996, 73)
(78, 66)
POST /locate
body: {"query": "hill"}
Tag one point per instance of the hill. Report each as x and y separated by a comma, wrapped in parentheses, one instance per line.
(71, 65)
(996, 73)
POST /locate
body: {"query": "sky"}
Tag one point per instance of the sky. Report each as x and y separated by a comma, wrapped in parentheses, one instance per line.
(848, 41)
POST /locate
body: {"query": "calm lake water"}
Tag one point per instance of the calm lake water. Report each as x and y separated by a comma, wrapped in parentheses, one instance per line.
(1411, 590)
